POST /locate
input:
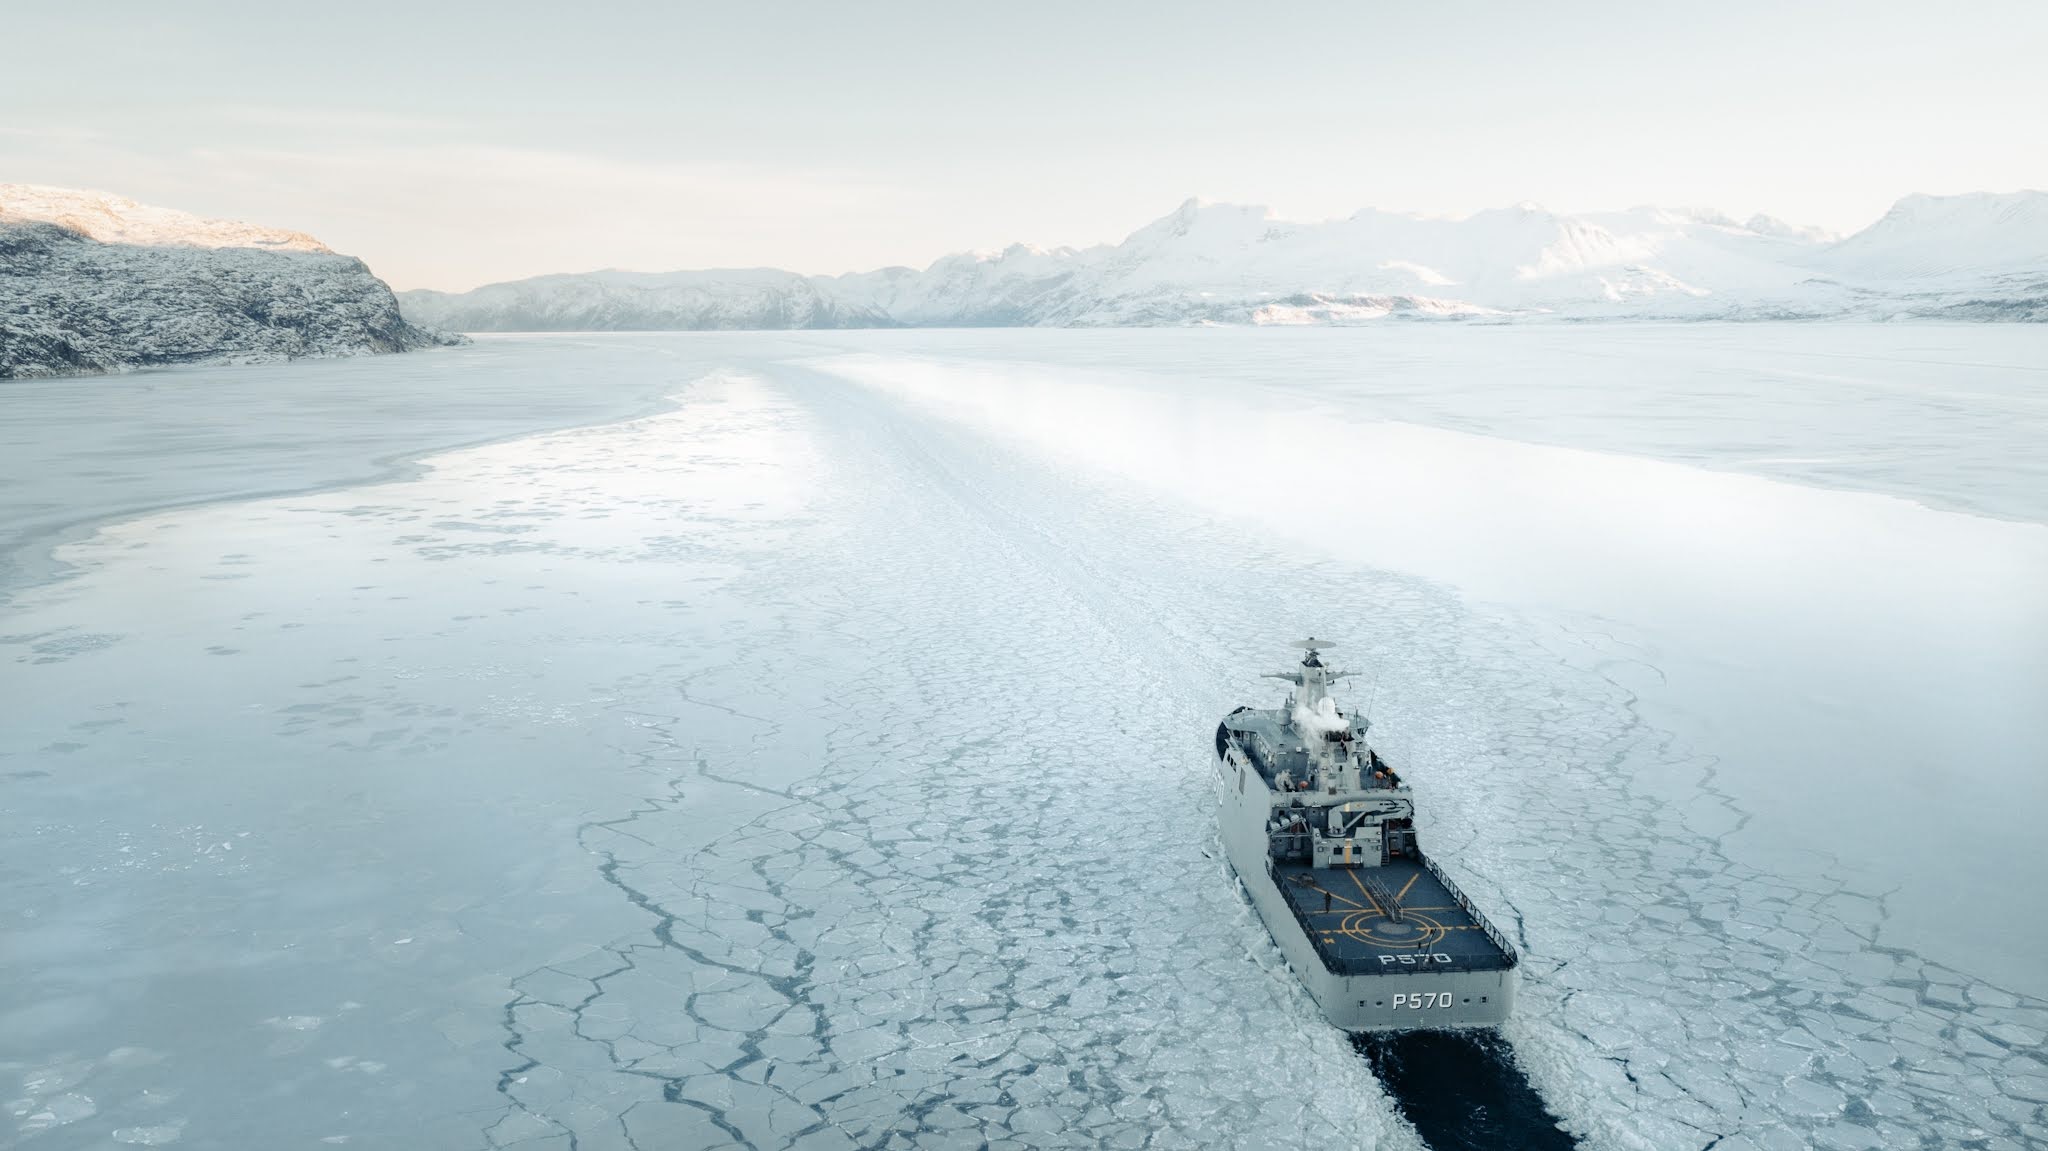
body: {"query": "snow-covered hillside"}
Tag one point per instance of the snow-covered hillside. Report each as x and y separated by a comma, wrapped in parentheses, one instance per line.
(638, 301)
(1928, 236)
(96, 283)
(1963, 257)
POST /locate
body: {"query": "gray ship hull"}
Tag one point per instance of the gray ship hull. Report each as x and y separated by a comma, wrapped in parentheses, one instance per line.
(1440, 966)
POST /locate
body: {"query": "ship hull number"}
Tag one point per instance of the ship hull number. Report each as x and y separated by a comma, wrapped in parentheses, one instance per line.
(1424, 1000)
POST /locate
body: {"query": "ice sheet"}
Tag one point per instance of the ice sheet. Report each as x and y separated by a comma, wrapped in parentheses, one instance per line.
(1949, 415)
(76, 452)
(622, 785)
(816, 767)
(1864, 672)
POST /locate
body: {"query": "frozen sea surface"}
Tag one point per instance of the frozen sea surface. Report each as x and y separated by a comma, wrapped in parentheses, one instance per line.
(1863, 672)
(823, 763)
(77, 452)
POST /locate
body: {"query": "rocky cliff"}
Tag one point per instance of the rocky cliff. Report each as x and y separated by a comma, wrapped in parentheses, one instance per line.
(96, 283)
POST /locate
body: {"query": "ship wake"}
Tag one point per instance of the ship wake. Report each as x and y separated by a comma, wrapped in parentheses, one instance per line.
(1462, 1090)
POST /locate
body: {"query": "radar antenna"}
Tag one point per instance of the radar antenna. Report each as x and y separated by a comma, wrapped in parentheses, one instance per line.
(1310, 675)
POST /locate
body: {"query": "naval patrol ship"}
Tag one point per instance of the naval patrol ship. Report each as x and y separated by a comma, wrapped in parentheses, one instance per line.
(1322, 833)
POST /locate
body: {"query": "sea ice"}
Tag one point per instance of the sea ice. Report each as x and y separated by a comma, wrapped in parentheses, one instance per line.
(817, 767)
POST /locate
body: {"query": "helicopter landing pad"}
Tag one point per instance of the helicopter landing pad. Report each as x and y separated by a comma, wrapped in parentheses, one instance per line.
(1392, 918)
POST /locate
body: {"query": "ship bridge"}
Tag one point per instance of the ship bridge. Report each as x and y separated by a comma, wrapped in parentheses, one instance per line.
(1287, 762)
(1308, 744)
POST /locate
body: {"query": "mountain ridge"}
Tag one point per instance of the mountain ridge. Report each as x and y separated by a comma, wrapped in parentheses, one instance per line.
(1977, 256)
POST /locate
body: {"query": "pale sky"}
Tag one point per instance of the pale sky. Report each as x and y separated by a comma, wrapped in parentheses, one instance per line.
(451, 144)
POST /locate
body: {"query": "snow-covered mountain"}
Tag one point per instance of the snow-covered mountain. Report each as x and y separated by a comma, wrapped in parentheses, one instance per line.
(1942, 237)
(640, 301)
(93, 283)
(1971, 257)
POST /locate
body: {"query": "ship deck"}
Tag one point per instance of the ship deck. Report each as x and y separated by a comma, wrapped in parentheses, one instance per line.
(1357, 935)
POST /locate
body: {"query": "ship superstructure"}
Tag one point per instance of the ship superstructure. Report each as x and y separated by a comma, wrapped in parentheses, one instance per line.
(1321, 831)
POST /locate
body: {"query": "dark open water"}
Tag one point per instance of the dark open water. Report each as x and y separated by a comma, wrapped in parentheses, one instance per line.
(1462, 1091)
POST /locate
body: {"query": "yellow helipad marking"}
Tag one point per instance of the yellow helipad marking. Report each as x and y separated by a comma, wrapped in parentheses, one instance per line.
(1334, 896)
(1363, 926)
(1368, 906)
(1369, 923)
(1403, 893)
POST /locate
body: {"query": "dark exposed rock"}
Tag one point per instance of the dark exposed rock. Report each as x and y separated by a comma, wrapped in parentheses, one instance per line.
(71, 304)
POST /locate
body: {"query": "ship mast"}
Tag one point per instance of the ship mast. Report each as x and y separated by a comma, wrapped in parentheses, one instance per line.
(1313, 714)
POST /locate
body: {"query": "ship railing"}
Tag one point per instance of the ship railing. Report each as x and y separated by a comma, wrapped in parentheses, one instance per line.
(1493, 934)
(1331, 960)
